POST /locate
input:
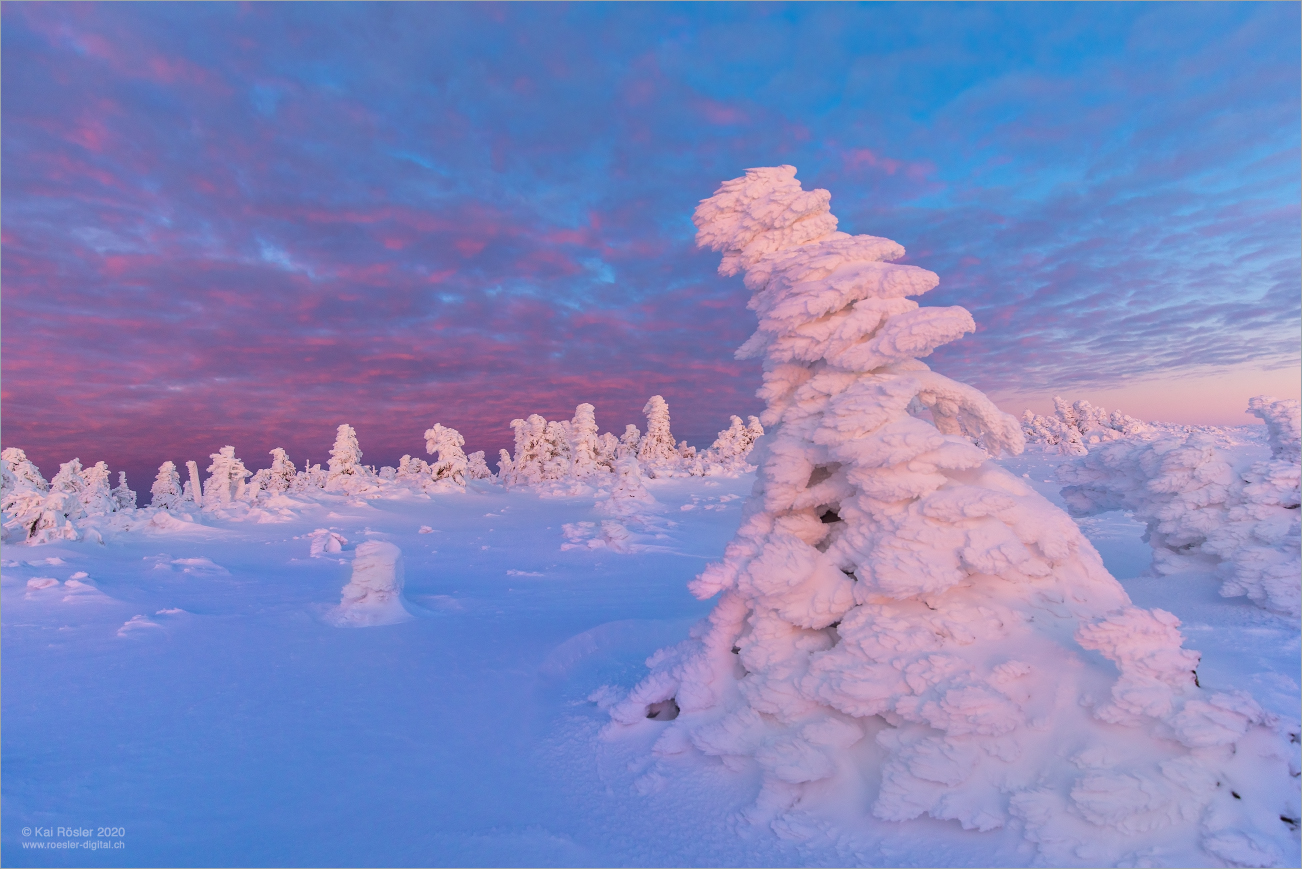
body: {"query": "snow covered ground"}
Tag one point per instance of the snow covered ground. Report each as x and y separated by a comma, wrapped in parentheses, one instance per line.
(196, 686)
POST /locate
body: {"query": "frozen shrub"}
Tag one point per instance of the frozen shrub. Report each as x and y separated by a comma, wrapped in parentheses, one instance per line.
(556, 451)
(890, 582)
(280, 476)
(165, 494)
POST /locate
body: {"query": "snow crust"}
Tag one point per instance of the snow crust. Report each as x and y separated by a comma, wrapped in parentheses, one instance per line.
(898, 612)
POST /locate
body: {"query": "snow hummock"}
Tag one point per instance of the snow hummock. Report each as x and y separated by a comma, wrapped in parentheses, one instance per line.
(373, 596)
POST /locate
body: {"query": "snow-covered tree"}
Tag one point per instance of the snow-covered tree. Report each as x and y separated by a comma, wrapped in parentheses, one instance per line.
(1204, 508)
(890, 582)
(657, 448)
(227, 478)
(607, 450)
(476, 467)
(165, 494)
(629, 494)
(556, 451)
(123, 497)
(531, 450)
(413, 471)
(1075, 427)
(451, 466)
(70, 479)
(281, 474)
(628, 442)
(347, 473)
(96, 492)
(585, 445)
(21, 471)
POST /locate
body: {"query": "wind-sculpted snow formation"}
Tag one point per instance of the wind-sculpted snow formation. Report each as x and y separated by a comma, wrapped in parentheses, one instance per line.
(1075, 427)
(899, 615)
(373, 595)
(1201, 510)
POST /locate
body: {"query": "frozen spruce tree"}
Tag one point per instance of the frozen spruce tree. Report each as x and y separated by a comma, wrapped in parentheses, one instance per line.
(525, 467)
(122, 494)
(657, 449)
(281, 474)
(165, 494)
(96, 491)
(476, 467)
(585, 445)
(899, 617)
(21, 471)
(227, 478)
(628, 442)
(347, 473)
(450, 469)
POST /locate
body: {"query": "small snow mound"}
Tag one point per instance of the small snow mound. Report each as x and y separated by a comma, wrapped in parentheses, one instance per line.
(136, 625)
(39, 582)
(425, 529)
(374, 594)
(326, 541)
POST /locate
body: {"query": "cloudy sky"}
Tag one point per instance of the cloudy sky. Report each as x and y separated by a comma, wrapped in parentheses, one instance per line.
(245, 224)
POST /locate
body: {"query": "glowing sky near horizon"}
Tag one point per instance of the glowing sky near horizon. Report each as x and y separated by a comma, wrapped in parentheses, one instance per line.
(245, 224)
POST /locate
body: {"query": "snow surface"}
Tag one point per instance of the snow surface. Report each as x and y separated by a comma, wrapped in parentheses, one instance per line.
(184, 680)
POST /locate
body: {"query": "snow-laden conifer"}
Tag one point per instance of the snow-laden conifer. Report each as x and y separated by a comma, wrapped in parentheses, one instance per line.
(1075, 428)
(607, 450)
(525, 466)
(556, 451)
(281, 474)
(347, 473)
(476, 467)
(657, 448)
(96, 492)
(1204, 510)
(585, 444)
(165, 494)
(899, 613)
(227, 478)
(21, 470)
(123, 496)
(452, 464)
(628, 442)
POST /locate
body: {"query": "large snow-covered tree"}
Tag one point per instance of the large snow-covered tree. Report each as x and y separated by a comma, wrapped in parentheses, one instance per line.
(899, 615)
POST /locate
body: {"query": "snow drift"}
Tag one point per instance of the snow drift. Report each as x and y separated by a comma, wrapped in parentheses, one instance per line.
(901, 616)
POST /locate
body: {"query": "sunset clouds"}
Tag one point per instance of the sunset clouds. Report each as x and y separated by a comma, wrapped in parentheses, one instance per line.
(247, 224)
